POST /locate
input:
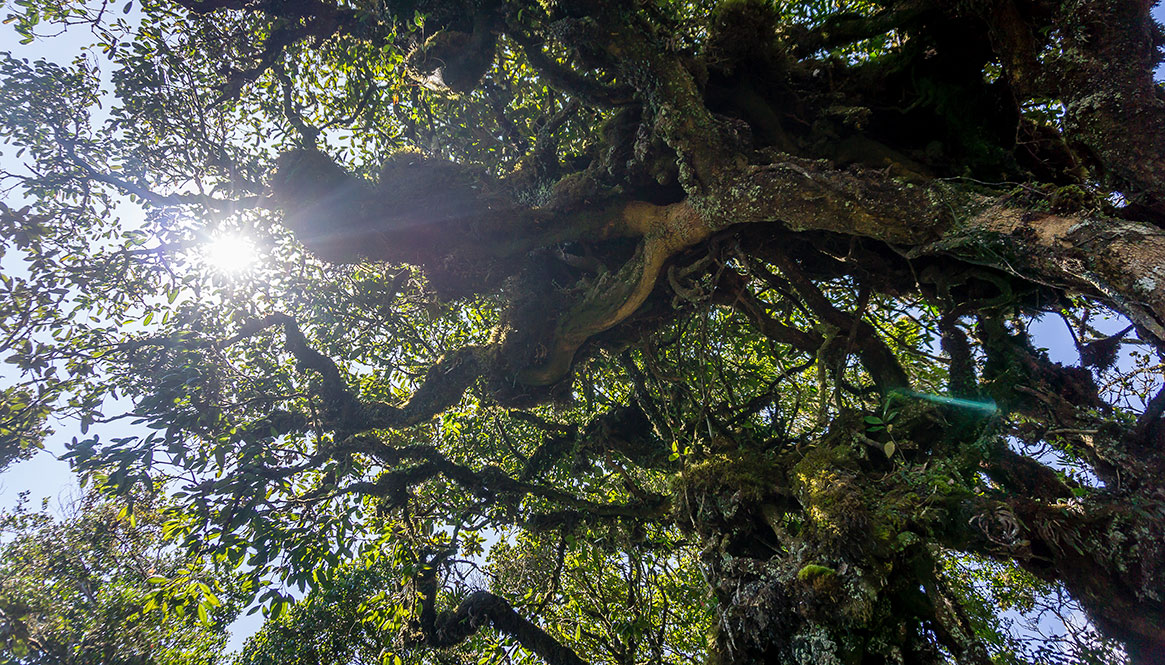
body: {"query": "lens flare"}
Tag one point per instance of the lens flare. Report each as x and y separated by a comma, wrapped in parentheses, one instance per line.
(987, 406)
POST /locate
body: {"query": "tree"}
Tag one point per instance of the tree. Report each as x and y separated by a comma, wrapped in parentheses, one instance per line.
(75, 590)
(630, 331)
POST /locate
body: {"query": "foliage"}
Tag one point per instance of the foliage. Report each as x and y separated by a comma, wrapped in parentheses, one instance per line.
(607, 331)
(75, 589)
(338, 622)
(22, 425)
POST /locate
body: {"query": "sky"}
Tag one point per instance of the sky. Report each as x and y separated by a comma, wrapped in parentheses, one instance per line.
(45, 477)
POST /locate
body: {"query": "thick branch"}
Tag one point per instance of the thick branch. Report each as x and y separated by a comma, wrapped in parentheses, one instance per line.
(1119, 261)
(846, 28)
(877, 358)
(666, 230)
(1113, 109)
(1116, 260)
(482, 607)
(490, 483)
(1106, 554)
(1027, 477)
(806, 195)
(570, 81)
(747, 304)
(442, 386)
(1105, 77)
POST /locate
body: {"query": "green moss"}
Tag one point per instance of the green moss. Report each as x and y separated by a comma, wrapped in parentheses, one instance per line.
(812, 571)
(749, 474)
(827, 484)
(1071, 198)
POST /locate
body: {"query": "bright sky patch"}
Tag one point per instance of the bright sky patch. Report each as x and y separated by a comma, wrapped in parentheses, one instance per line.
(230, 253)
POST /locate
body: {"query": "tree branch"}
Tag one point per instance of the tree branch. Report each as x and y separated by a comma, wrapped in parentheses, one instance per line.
(570, 81)
(444, 383)
(878, 359)
(481, 608)
(490, 483)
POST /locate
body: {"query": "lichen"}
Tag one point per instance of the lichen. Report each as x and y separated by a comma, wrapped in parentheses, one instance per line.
(814, 646)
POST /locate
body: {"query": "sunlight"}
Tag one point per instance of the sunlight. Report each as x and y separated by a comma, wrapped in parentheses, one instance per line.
(230, 253)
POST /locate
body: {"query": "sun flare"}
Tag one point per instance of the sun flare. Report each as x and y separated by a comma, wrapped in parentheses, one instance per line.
(230, 253)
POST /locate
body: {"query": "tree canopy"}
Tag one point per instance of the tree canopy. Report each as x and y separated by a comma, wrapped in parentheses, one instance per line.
(78, 590)
(601, 331)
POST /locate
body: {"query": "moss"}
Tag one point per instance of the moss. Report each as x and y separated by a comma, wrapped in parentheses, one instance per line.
(727, 491)
(812, 571)
(846, 506)
(830, 488)
(1071, 198)
(750, 475)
